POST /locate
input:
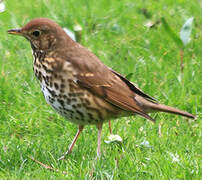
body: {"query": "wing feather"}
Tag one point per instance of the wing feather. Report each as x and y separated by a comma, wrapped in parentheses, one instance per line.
(93, 75)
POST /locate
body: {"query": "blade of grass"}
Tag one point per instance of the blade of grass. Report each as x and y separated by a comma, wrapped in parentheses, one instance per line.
(171, 33)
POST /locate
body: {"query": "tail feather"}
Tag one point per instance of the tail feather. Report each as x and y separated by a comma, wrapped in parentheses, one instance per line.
(149, 106)
(168, 109)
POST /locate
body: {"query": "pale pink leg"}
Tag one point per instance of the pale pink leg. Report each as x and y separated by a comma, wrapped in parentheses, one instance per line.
(73, 142)
(110, 129)
(99, 126)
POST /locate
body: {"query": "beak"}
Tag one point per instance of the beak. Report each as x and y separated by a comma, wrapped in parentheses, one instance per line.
(15, 31)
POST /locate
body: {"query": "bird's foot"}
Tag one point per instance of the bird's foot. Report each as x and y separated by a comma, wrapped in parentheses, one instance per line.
(64, 156)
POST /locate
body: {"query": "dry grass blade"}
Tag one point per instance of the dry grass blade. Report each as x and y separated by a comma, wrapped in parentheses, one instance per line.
(46, 166)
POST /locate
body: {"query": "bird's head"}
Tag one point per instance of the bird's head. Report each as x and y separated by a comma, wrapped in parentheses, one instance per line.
(43, 34)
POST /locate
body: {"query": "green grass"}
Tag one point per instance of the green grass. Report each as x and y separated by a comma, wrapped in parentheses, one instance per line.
(115, 32)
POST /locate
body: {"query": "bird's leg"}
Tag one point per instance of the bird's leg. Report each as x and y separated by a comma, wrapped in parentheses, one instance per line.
(75, 138)
(80, 129)
(110, 128)
(99, 126)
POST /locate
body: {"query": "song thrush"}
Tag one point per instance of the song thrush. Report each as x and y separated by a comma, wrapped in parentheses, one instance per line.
(78, 85)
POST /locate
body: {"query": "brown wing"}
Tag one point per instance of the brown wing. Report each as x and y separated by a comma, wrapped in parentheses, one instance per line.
(92, 74)
(135, 89)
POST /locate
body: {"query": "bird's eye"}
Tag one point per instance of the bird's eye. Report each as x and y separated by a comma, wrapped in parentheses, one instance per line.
(36, 33)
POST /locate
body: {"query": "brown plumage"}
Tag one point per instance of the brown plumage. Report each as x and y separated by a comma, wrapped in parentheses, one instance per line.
(78, 85)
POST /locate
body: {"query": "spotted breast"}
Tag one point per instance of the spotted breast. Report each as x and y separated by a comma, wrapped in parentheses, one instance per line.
(61, 91)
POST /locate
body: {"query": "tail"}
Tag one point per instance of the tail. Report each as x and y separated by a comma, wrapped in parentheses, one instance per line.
(168, 109)
(151, 106)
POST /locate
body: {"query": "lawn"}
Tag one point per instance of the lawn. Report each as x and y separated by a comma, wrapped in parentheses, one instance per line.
(119, 33)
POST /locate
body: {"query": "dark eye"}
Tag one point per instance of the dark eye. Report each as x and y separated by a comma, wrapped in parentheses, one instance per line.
(36, 33)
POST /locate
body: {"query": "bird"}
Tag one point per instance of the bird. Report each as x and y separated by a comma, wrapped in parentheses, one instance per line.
(79, 86)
